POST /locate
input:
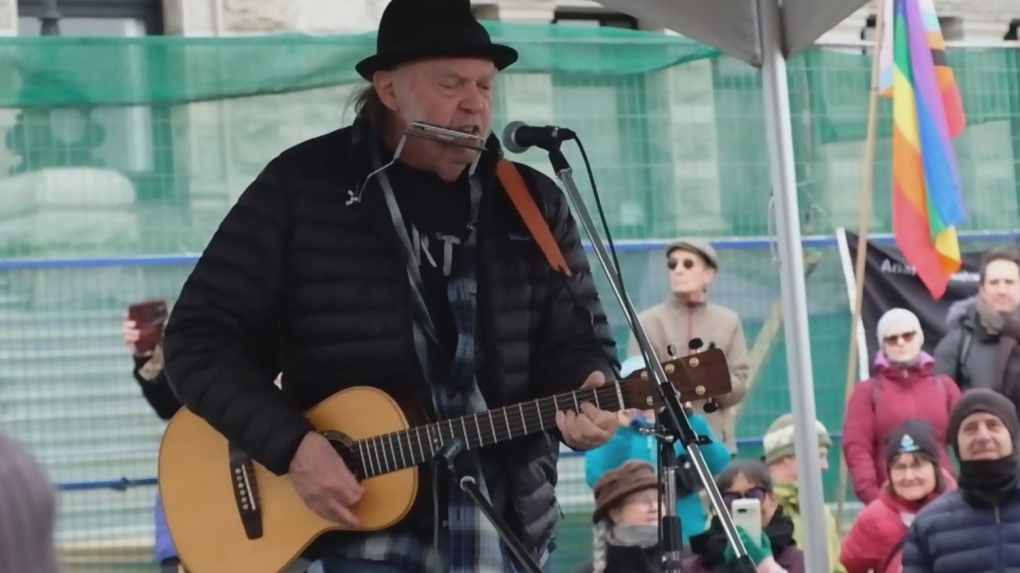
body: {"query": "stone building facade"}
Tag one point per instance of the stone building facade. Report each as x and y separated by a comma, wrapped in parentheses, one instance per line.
(220, 171)
(979, 20)
(217, 170)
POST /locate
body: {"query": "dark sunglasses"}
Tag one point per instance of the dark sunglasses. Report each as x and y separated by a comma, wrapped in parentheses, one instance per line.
(906, 336)
(758, 493)
(688, 264)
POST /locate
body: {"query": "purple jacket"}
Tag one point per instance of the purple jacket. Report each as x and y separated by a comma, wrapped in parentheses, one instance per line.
(164, 545)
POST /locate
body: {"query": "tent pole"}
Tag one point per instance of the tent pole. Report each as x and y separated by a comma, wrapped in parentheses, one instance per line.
(792, 285)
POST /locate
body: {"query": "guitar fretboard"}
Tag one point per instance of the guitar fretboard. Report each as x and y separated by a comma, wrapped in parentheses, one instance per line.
(392, 452)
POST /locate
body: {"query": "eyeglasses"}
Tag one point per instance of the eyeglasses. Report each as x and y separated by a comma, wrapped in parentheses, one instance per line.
(907, 337)
(758, 493)
(687, 263)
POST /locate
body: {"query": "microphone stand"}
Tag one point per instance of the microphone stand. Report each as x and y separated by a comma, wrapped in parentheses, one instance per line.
(451, 452)
(671, 528)
(673, 421)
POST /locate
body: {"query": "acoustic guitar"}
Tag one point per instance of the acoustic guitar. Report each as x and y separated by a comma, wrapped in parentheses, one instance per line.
(228, 513)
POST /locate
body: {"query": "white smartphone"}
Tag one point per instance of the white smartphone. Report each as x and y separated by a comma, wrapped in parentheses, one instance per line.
(747, 514)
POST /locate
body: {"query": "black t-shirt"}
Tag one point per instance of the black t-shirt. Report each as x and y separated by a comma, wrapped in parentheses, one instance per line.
(436, 215)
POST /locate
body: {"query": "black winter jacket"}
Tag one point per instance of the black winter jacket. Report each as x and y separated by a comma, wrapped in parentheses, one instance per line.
(298, 281)
(157, 392)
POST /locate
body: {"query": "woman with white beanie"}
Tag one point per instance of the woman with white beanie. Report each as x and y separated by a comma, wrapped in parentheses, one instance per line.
(904, 387)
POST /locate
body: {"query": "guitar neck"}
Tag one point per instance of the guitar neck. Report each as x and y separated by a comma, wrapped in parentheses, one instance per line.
(392, 452)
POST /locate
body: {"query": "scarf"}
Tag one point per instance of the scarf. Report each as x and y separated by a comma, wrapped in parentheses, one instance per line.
(633, 549)
(633, 535)
(990, 482)
(991, 320)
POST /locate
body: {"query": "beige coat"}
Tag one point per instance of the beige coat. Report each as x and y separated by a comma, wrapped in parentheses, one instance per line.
(675, 323)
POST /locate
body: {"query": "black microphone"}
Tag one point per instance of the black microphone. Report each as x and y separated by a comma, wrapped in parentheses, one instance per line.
(519, 136)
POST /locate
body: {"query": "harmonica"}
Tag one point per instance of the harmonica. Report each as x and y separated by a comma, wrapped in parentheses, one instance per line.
(439, 134)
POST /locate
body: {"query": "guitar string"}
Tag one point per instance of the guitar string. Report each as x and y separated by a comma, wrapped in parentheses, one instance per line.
(385, 456)
(390, 460)
(388, 456)
(516, 418)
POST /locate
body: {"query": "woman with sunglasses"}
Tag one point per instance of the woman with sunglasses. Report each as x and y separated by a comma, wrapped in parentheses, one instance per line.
(904, 386)
(774, 552)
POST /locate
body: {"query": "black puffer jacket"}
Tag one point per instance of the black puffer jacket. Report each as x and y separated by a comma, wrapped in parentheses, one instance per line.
(958, 534)
(157, 392)
(298, 281)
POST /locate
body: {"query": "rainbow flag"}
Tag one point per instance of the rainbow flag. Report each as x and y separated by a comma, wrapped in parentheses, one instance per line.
(928, 115)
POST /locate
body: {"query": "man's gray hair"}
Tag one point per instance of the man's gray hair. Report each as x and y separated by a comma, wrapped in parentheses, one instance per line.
(369, 107)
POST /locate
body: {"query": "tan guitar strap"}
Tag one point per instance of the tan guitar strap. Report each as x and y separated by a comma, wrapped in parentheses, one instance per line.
(518, 191)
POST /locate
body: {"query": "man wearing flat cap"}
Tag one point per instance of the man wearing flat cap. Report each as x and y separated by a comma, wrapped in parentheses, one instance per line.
(371, 257)
(976, 528)
(687, 314)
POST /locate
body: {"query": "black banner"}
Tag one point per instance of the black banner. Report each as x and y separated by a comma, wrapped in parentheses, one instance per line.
(890, 282)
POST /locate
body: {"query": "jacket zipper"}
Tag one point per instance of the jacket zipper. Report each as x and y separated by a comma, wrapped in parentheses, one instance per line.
(999, 563)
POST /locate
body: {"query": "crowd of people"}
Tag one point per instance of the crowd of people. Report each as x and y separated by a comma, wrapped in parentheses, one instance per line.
(902, 427)
(924, 512)
(337, 291)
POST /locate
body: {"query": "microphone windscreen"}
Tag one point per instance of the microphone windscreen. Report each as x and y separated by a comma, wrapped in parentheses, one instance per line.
(508, 137)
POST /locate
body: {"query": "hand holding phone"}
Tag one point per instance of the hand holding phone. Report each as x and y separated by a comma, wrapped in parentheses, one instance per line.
(147, 320)
(747, 515)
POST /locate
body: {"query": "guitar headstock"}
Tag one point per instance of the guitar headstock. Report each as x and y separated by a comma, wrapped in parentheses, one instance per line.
(695, 377)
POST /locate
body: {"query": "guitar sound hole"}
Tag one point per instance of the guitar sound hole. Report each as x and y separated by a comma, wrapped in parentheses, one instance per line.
(345, 448)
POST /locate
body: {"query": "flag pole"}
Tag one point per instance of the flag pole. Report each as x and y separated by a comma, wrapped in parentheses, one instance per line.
(867, 192)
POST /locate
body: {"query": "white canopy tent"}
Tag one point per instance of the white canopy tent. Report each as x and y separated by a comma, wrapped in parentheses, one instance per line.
(764, 33)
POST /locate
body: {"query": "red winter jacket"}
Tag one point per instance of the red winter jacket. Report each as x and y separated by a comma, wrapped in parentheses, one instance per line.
(879, 532)
(880, 404)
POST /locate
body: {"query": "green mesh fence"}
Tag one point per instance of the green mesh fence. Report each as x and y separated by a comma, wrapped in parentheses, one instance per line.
(121, 156)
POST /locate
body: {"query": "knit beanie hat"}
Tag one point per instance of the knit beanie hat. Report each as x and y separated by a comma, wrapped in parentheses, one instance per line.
(778, 441)
(614, 486)
(28, 506)
(982, 400)
(912, 437)
(898, 317)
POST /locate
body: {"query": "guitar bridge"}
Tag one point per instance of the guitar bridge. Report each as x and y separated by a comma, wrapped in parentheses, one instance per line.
(246, 493)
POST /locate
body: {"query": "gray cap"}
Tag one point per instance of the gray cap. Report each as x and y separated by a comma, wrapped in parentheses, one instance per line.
(699, 247)
(28, 506)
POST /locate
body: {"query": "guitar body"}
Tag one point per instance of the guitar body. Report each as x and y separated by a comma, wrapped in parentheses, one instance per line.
(197, 480)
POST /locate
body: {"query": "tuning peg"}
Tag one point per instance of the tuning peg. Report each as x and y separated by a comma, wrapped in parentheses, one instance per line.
(671, 350)
(710, 406)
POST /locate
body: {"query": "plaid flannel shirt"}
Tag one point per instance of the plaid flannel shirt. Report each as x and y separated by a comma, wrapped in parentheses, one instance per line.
(465, 540)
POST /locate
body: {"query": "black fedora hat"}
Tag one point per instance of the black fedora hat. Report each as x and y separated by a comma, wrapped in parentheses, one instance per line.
(413, 30)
